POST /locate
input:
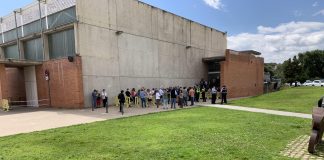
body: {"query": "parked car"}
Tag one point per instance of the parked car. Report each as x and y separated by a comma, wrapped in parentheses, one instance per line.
(308, 83)
(297, 83)
(318, 83)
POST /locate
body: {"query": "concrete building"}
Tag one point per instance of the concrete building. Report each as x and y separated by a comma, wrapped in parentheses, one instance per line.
(113, 45)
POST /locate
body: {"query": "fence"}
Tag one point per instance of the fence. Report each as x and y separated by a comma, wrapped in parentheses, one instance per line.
(7, 105)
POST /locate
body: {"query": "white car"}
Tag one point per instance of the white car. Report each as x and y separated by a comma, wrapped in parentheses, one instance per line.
(308, 83)
(318, 83)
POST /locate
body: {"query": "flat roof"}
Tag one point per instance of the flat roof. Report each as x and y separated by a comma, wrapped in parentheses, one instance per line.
(213, 59)
(248, 52)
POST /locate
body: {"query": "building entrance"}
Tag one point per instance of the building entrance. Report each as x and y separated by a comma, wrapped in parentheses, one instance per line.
(18, 85)
(214, 70)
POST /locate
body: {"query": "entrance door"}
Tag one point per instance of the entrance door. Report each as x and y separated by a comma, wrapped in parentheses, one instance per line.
(214, 79)
(214, 74)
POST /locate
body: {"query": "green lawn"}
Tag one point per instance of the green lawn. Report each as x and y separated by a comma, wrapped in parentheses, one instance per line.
(300, 99)
(198, 133)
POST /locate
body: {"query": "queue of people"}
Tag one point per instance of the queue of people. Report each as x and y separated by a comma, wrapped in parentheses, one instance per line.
(173, 96)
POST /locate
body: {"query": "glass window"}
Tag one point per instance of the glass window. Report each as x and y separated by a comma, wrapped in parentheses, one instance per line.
(11, 52)
(61, 18)
(33, 49)
(61, 44)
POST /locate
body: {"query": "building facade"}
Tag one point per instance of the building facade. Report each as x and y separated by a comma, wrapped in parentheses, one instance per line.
(84, 45)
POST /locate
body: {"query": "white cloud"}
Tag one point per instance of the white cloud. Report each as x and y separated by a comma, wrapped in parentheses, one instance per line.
(298, 13)
(217, 4)
(321, 12)
(315, 4)
(279, 43)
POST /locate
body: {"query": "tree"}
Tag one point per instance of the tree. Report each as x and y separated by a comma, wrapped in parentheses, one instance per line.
(314, 63)
(308, 65)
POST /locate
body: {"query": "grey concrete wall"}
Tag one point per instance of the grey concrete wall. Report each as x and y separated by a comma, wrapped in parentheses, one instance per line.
(152, 51)
(31, 86)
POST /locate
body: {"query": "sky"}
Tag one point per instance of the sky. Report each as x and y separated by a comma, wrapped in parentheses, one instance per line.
(279, 29)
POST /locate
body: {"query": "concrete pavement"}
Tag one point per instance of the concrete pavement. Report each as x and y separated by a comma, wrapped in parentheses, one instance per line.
(26, 120)
(258, 110)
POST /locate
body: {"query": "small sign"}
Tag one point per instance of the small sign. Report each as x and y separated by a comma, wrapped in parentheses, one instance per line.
(47, 74)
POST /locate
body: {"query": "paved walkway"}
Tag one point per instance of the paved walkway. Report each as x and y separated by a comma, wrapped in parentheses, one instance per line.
(257, 110)
(26, 120)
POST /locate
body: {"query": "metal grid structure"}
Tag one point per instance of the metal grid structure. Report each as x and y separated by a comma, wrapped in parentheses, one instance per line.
(25, 21)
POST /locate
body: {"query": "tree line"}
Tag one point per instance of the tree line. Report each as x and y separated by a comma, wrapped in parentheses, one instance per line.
(304, 66)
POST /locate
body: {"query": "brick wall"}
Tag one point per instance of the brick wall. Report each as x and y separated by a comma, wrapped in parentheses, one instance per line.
(66, 83)
(16, 84)
(242, 74)
(3, 81)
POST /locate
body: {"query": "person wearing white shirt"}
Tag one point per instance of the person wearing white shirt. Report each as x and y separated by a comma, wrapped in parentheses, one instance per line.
(157, 98)
(214, 93)
(104, 97)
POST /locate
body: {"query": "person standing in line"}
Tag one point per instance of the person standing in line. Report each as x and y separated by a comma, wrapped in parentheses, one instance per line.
(94, 99)
(98, 99)
(185, 96)
(143, 97)
(203, 94)
(104, 97)
(161, 91)
(157, 98)
(181, 98)
(214, 94)
(169, 94)
(192, 96)
(173, 98)
(165, 99)
(121, 98)
(128, 95)
(133, 94)
(197, 93)
(224, 94)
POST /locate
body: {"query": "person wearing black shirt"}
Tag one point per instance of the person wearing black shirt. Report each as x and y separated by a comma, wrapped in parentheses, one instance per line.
(173, 98)
(224, 94)
(128, 94)
(121, 98)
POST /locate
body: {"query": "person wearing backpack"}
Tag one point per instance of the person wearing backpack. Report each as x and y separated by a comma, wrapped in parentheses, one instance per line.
(121, 98)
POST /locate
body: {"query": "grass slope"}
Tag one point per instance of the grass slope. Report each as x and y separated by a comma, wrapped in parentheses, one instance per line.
(300, 99)
(199, 133)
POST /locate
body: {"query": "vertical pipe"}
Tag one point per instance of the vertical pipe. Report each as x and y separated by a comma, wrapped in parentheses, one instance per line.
(41, 25)
(22, 25)
(18, 43)
(46, 13)
(1, 26)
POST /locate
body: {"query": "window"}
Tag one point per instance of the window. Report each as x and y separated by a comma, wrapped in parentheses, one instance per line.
(11, 52)
(34, 50)
(61, 44)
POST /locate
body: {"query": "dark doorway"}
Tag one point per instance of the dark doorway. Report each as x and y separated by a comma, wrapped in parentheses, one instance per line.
(214, 70)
